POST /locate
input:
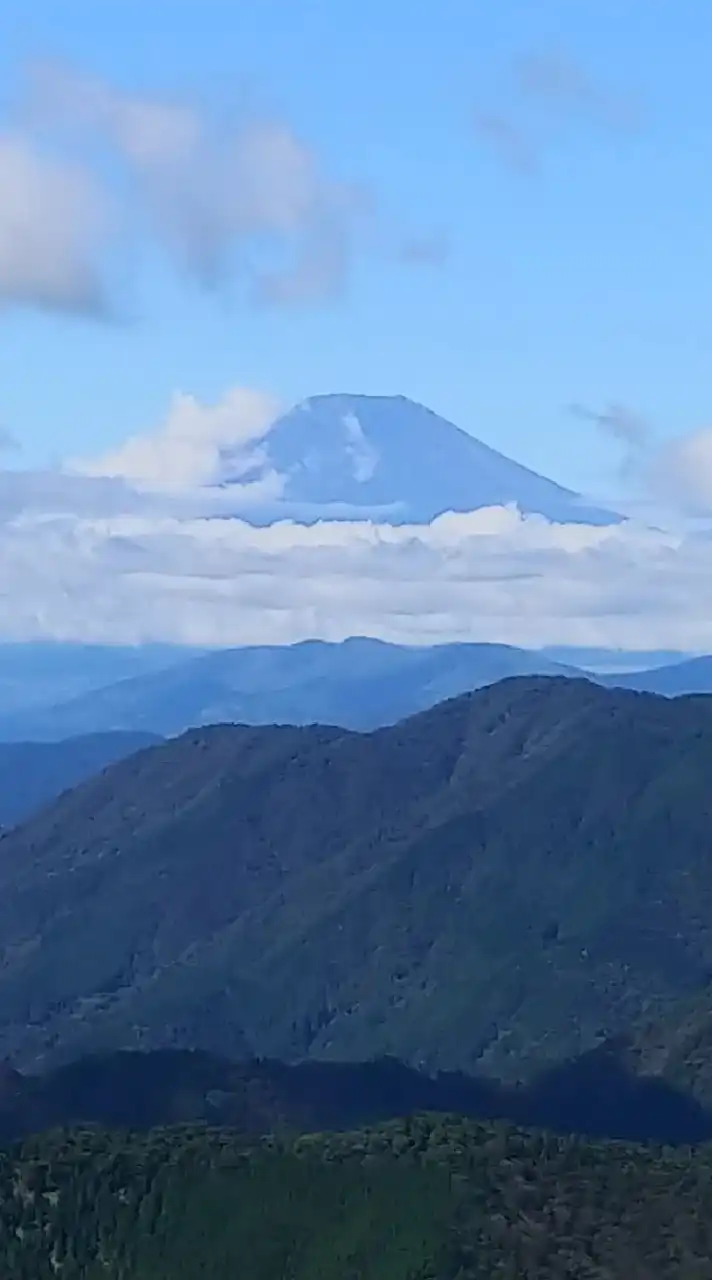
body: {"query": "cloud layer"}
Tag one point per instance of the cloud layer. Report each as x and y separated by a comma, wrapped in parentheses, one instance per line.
(148, 542)
(129, 550)
(490, 575)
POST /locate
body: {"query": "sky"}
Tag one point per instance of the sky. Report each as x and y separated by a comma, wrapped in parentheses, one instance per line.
(500, 211)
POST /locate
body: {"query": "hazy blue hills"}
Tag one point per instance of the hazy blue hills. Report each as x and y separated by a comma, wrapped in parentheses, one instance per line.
(358, 684)
(34, 773)
(693, 675)
(39, 673)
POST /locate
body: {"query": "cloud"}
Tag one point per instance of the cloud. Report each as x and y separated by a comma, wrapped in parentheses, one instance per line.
(245, 200)
(672, 477)
(628, 428)
(51, 219)
(9, 442)
(184, 534)
(558, 89)
(509, 140)
(619, 421)
(558, 81)
(90, 558)
(681, 472)
(196, 445)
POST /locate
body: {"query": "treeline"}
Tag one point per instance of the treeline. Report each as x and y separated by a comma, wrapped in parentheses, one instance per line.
(429, 1197)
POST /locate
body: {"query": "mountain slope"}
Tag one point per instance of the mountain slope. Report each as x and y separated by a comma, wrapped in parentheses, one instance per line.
(39, 673)
(496, 883)
(358, 684)
(391, 458)
(674, 680)
(34, 773)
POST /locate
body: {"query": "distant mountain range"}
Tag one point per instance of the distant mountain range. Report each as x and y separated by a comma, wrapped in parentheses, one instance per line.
(694, 675)
(40, 673)
(496, 884)
(358, 684)
(386, 457)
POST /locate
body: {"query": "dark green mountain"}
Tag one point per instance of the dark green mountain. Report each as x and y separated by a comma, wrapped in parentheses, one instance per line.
(430, 1197)
(33, 773)
(359, 684)
(496, 885)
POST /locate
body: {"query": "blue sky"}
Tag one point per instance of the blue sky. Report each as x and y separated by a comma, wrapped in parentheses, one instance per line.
(586, 280)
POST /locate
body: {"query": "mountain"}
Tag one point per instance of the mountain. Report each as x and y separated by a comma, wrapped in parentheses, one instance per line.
(38, 673)
(34, 773)
(605, 1093)
(425, 1197)
(357, 684)
(613, 661)
(694, 675)
(496, 884)
(355, 456)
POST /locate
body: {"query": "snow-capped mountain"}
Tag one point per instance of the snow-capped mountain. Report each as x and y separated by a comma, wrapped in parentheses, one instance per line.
(385, 457)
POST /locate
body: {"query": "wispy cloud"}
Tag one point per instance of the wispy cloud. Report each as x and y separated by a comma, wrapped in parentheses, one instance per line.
(564, 85)
(509, 140)
(543, 91)
(673, 474)
(618, 421)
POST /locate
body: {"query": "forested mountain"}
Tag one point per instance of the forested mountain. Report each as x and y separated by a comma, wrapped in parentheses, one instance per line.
(428, 1197)
(496, 884)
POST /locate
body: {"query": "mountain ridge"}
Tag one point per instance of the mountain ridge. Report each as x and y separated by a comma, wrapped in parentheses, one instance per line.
(357, 683)
(526, 862)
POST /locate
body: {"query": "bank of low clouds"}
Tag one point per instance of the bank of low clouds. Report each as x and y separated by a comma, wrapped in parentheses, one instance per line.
(86, 558)
(183, 533)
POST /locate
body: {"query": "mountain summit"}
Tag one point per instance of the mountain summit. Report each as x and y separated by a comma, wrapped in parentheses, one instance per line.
(388, 458)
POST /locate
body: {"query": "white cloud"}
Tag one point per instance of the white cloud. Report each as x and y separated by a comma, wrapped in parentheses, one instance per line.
(51, 216)
(161, 570)
(197, 445)
(672, 476)
(681, 472)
